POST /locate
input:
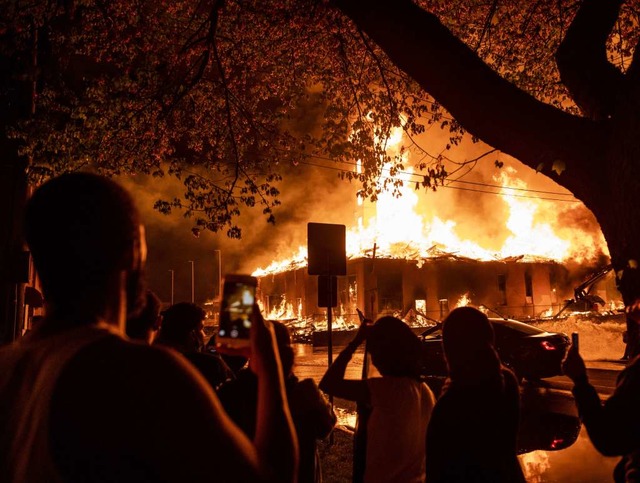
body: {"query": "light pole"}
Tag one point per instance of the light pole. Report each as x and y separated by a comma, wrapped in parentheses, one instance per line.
(219, 289)
(193, 298)
(172, 285)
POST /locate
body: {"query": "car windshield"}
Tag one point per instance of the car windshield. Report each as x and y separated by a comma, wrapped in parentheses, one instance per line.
(518, 326)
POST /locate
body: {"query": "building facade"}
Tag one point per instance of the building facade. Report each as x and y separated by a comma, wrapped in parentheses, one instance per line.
(421, 291)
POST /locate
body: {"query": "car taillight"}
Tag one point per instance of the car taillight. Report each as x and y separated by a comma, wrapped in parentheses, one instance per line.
(556, 442)
(548, 346)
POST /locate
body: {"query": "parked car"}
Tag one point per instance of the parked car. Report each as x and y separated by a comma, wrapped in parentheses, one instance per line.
(530, 352)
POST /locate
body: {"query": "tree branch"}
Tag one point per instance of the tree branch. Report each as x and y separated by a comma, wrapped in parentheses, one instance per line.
(487, 105)
(582, 59)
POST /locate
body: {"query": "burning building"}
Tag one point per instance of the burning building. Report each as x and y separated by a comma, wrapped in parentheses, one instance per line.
(404, 259)
(420, 291)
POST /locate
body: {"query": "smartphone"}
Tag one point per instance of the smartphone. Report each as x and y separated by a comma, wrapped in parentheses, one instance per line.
(236, 308)
(575, 340)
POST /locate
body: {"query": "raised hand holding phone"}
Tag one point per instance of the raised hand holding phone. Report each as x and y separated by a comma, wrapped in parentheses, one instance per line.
(236, 314)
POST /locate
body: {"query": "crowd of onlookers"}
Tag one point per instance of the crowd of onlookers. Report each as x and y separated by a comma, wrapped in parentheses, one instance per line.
(108, 387)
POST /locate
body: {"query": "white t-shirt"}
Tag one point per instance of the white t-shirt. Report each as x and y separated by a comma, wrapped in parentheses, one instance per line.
(396, 430)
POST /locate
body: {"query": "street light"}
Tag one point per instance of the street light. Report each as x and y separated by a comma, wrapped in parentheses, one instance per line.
(172, 285)
(193, 298)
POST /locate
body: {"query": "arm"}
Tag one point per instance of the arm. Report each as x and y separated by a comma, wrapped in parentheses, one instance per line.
(613, 426)
(333, 381)
(275, 437)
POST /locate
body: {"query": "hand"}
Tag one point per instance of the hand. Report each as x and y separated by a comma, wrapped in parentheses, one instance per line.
(264, 352)
(362, 333)
(573, 366)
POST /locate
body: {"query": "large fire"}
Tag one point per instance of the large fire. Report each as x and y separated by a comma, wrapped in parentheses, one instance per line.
(394, 228)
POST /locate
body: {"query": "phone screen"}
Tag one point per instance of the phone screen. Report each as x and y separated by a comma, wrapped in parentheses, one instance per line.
(237, 306)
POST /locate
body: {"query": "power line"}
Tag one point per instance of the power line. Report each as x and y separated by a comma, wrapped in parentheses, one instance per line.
(514, 195)
(476, 183)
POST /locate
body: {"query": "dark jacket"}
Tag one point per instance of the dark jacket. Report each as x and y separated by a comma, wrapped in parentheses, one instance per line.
(472, 433)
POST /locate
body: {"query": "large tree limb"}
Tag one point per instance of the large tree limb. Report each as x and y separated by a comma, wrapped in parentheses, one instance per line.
(582, 59)
(487, 105)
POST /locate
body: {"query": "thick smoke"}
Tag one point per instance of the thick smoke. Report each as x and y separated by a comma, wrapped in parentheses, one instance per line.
(308, 194)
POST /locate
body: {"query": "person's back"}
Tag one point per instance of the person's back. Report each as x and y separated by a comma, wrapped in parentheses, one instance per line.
(400, 412)
(400, 403)
(472, 434)
(79, 402)
(473, 429)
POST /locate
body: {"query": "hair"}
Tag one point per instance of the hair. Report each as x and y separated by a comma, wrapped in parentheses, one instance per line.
(178, 321)
(395, 349)
(80, 228)
(468, 342)
(147, 320)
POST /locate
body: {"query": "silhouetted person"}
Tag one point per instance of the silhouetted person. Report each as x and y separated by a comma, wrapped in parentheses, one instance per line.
(400, 402)
(145, 325)
(474, 426)
(183, 330)
(234, 362)
(312, 415)
(80, 402)
(613, 426)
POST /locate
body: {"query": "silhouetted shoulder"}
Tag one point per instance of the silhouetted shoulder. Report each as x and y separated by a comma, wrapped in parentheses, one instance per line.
(141, 413)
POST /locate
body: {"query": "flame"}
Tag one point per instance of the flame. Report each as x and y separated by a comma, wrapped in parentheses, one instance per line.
(284, 310)
(534, 465)
(397, 230)
(463, 301)
(547, 313)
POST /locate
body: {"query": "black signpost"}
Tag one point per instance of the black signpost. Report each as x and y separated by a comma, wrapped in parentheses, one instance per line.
(326, 244)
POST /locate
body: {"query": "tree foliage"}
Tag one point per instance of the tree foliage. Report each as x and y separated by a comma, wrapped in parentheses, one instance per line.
(225, 95)
(229, 95)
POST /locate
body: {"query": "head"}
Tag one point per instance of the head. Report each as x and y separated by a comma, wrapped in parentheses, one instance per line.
(146, 324)
(468, 341)
(394, 348)
(183, 327)
(88, 247)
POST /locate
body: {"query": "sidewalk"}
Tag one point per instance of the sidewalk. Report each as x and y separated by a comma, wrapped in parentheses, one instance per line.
(607, 364)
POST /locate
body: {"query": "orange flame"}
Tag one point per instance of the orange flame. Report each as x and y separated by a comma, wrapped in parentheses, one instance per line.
(397, 230)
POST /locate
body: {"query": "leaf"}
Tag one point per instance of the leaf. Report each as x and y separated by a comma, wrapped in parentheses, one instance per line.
(558, 166)
(633, 263)
(539, 167)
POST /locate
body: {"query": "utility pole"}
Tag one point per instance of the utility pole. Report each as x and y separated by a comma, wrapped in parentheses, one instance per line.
(172, 285)
(219, 289)
(193, 298)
